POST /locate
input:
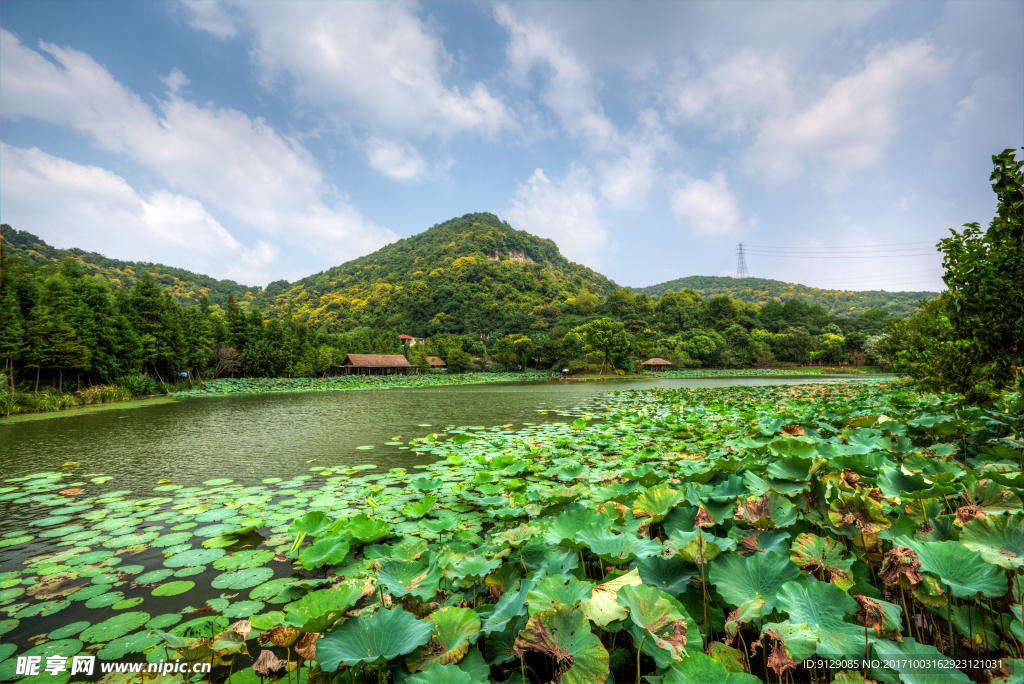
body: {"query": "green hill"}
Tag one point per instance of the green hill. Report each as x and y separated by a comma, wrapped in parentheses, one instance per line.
(470, 274)
(185, 286)
(760, 291)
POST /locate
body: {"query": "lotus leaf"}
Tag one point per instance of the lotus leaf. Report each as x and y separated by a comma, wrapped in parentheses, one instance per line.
(703, 669)
(414, 578)
(557, 590)
(697, 546)
(472, 567)
(800, 641)
(365, 529)
(745, 612)
(329, 550)
(565, 635)
(812, 552)
(321, 611)
(740, 578)
(563, 528)
(373, 640)
(657, 616)
(242, 579)
(455, 629)
(420, 508)
(671, 575)
(173, 588)
(999, 539)
(656, 502)
(132, 643)
(617, 548)
(114, 627)
(193, 557)
(958, 567)
(906, 651)
(823, 606)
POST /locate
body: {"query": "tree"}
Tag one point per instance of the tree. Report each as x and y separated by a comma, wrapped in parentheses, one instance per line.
(604, 336)
(985, 300)
(586, 302)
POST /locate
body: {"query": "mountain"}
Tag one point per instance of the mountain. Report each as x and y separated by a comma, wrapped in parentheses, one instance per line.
(760, 291)
(185, 286)
(473, 273)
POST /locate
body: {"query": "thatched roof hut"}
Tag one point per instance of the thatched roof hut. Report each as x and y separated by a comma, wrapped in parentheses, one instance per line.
(436, 362)
(373, 364)
(656, 364)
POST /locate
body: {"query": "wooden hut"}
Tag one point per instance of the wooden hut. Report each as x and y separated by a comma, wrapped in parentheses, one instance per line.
(436, 362)
(373, 364)
(656, 364)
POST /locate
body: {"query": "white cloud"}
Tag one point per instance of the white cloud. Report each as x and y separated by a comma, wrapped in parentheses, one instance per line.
(733, 94)
(368, 64)
(221, 156)
(706, 207)
(850, 127)
(566, 212)
(570, 89)
(626, 179)
(92, 208)
(394, 159)
(211, 16)
(175, 81)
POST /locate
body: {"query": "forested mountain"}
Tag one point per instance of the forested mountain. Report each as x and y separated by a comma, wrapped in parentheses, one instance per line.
(470, 274)
(185, 286)
(760, 291)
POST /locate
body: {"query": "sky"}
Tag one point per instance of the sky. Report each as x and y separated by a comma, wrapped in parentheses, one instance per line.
(258, 141)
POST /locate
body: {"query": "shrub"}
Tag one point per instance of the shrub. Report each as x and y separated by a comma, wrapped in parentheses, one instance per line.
(103, 394)
(137, 384)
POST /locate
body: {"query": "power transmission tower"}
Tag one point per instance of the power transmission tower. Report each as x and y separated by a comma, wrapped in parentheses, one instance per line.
(741, 263)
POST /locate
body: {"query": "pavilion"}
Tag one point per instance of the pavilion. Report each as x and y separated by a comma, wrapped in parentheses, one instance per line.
(373, 364)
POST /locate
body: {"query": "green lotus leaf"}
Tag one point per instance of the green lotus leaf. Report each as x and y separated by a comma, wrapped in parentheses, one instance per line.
(505, 578)
(754, 541)
(416, 578)
(509, 607)
(958, 567)
(374, 640)
(998, 538)
(518, 536)
(242, 579)
(365, 529)
(173, 588)
(703, 669)
(193, 557)
(173, 539)
(745, 612)
(802, 447)
(321, 611)
(444, 522)
(812, 552)
(127, 603)
(671, 575)
(154, 576)
(420, 508)
(617, 548)
(646, 475)
(472, 567)
(280, 590)
(131, 643)
(565, 635)
(562, 528)
(114, 627)
(313, 523)
(904, 652)
(896, 483)
(425, 484)
(67, 630)
(557, 590)
(455, 629)
(329, 550)
(655, 503)
(658, 618)
(800, 641)
(740, 578)
(443, 674)
(823, 606)
(244, 559)
(697, 546)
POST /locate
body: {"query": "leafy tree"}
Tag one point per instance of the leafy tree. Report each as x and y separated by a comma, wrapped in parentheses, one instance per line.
(604, 336)
(985, 301)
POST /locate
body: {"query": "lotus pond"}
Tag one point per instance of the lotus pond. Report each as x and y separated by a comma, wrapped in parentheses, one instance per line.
(668, 533)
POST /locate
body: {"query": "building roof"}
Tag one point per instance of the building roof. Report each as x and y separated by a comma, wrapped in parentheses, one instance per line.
(406, 337)
(436, 361)
(656, 362)
(375, 360)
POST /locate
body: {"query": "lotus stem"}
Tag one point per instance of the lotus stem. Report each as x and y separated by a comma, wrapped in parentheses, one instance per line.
(522, 667)
(638, 652)
(949, 621)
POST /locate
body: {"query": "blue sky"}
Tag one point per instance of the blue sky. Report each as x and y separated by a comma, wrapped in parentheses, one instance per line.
(260, 140)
